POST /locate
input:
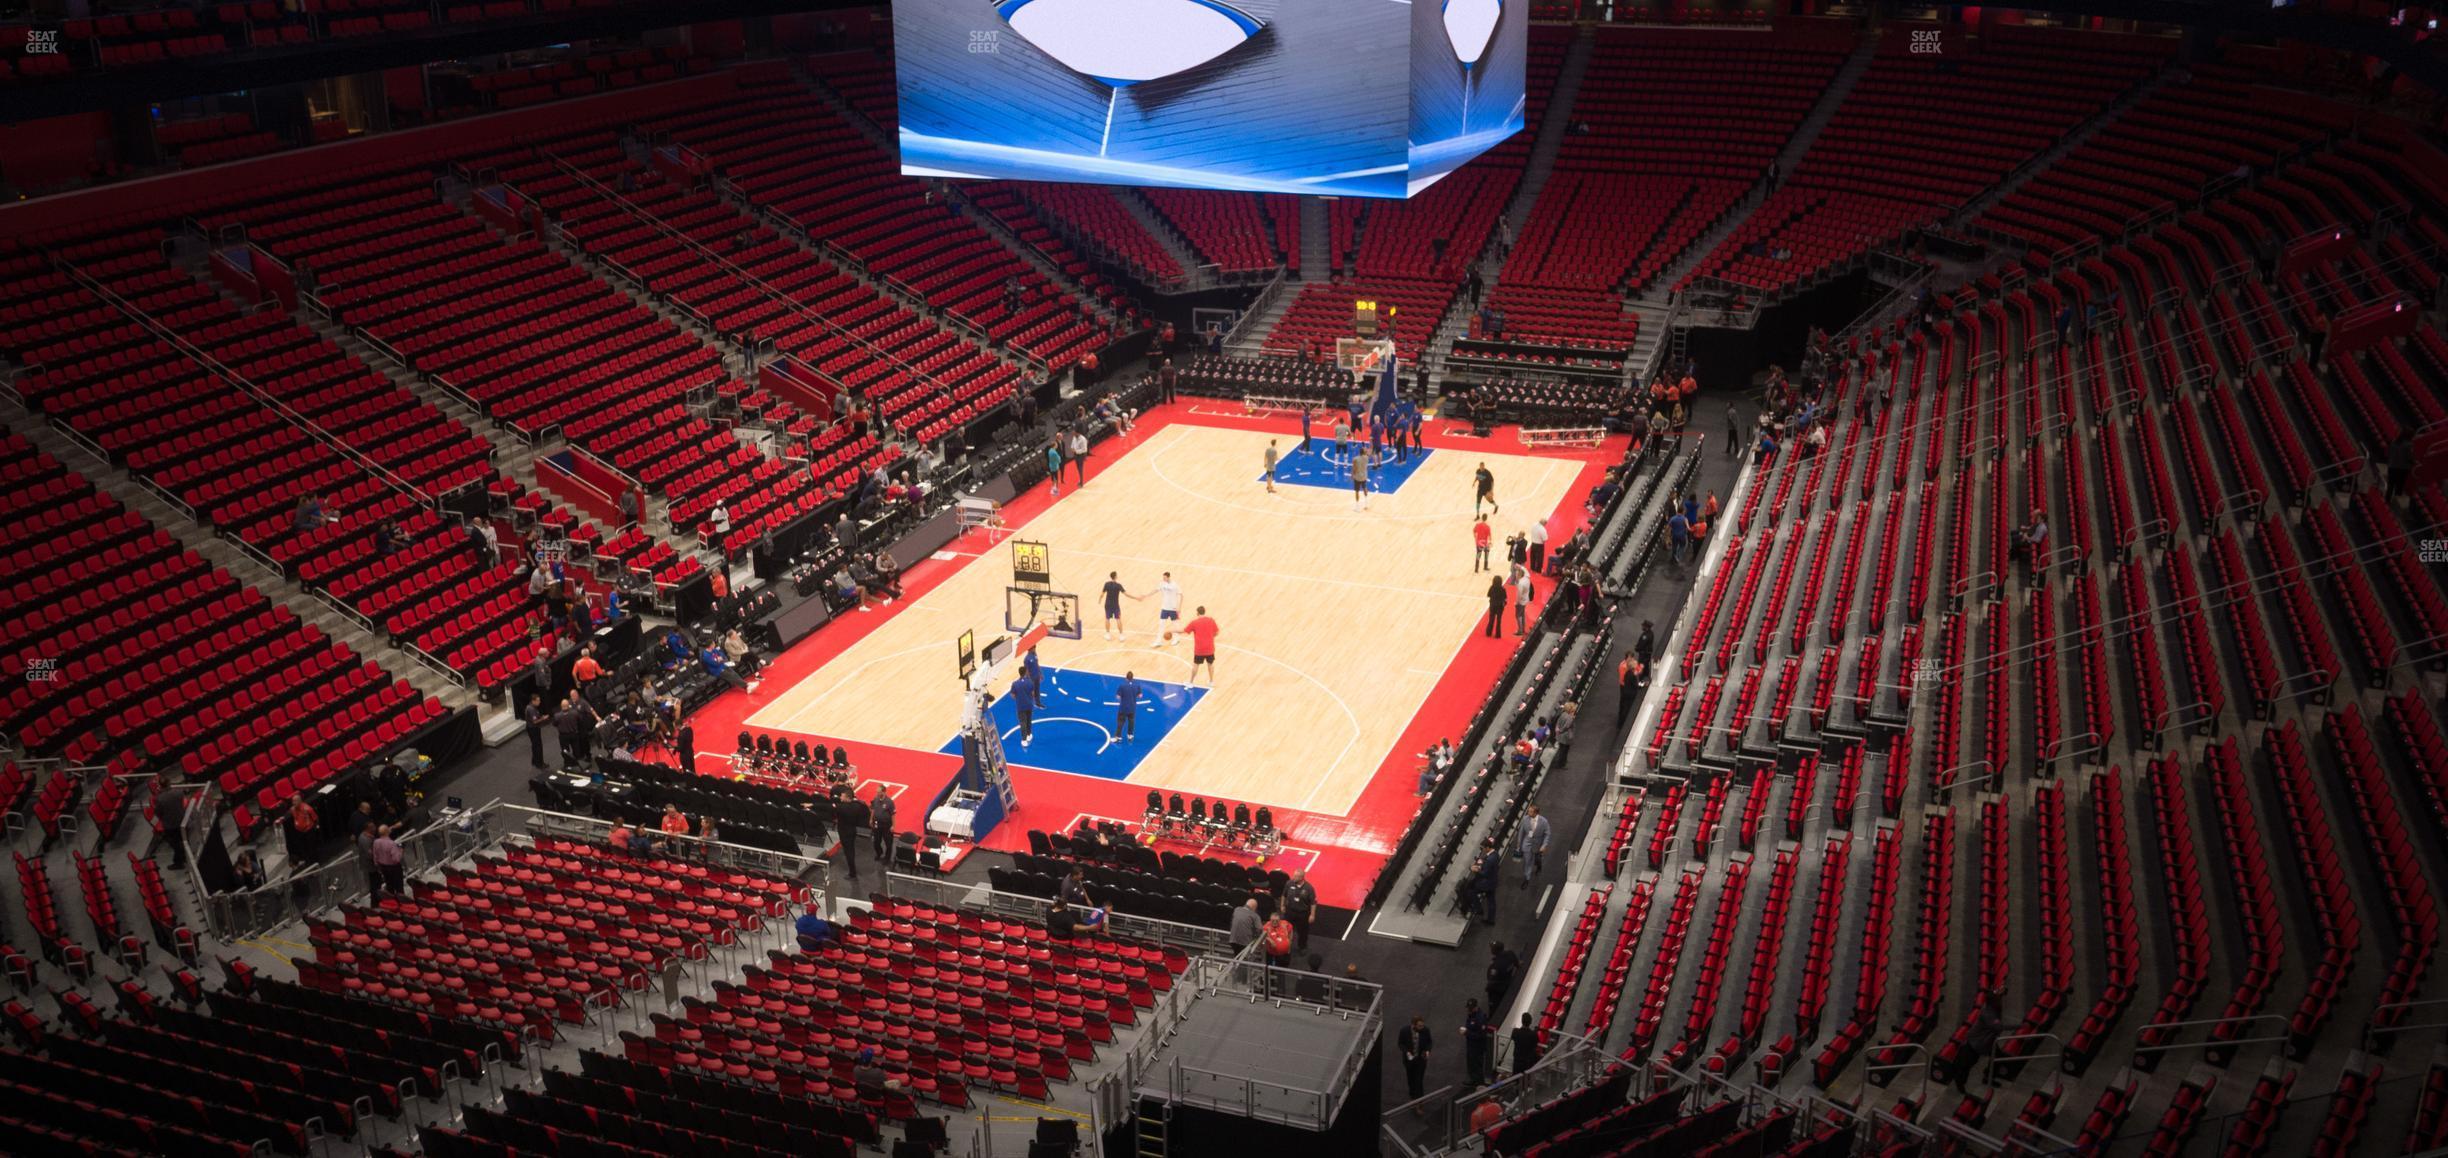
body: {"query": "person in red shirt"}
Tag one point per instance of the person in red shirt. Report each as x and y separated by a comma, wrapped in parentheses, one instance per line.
(1481, 536)
(1202, 633)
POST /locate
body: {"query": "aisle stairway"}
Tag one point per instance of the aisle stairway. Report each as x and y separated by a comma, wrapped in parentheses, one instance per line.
(1543, 150)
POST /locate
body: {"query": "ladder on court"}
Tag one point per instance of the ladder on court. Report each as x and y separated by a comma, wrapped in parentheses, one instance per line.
(991, 763)
(1155, 1127)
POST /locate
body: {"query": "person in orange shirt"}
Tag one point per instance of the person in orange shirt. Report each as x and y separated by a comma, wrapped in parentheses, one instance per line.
(586, 671)
(674, 824)
(1481, 536)
(1202, 633)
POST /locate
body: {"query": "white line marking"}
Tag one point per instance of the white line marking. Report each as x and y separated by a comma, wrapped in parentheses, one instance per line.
(1275, 575)
(1107, 139)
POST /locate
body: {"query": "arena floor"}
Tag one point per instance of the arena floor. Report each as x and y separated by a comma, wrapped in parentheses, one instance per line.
(1350, 639)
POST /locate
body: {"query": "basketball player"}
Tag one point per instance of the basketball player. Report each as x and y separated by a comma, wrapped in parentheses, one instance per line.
(1343, 431)
(1484, 481)
(1202, 633)
(1360, 478)
(1270, 458)
(1168, 607)
(1305, 412)
(1113, 604)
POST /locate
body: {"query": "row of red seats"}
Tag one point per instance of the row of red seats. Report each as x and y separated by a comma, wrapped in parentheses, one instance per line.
(1877, 936)
(2188, 920)
(1819, 953)
(1932, 942)
(2256, 899)
(2336, 920)
(1759, 986)
(2056, 903)
(2119, 925)
(1228, 230)
(2412, 907)
(1715, 954)
(1618, 967)
(1669, 957)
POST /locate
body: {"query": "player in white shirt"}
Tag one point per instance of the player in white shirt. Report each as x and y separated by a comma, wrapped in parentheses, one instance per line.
(1168, 607)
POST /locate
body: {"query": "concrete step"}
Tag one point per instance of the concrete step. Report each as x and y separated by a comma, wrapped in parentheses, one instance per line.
(1194, 273)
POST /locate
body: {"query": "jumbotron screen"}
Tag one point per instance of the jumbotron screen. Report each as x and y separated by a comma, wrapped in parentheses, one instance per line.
(1366, 98)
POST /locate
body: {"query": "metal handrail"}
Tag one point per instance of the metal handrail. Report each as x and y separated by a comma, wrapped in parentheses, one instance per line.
(178, 341)
(723, 263)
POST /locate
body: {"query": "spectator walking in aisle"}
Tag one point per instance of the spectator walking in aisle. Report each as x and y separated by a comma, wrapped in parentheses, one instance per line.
(1482, 536)
(849, 813)
(1502, 964)
(1678, 535)
(1496, 606)
(1734, 436)
(1645, 647)
(2400, 465)
(1475, 284)
(483, 542)
(880, 813)
(387, 856)
(1535, 834)
(632, 507)
(1415, 1043)
(1525, 1045)
(536, 718)
(1477, 1038)
(1246, 924)
(1300, 906)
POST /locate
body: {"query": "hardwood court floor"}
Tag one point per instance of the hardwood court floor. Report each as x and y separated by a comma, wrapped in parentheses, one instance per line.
(1335, 624)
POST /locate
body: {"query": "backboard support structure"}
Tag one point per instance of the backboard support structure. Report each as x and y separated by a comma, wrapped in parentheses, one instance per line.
(1362, 356)
(1058, 612)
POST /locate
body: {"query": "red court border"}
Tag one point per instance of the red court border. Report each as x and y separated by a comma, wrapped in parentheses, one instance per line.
(1351, 849)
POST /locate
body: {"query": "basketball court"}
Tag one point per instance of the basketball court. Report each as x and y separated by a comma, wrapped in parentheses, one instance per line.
(1349, 639)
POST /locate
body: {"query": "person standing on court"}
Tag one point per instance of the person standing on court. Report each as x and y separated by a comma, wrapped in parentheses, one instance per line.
(1524, 590)
(1538, 546)
(1359, 477)
(880, 819)
(1024, 702)
(1168, 607)
(1415, 1043)
(1342, 433)
(1496, 606)
(1300, 906)
(1126, 707)
(1481, 536)
(1202, 633)
(1054, 464)
(1113, 604)
(1270, 465)
(1079, 454)
(1533, 849)
(1305, 416)
(1483, 483)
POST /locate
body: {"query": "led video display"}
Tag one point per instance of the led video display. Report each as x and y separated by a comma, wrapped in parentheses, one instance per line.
(1371, 98)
